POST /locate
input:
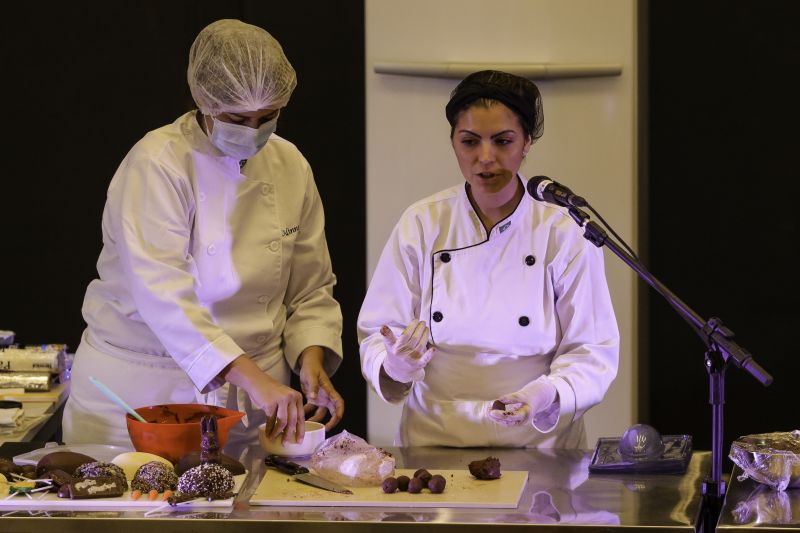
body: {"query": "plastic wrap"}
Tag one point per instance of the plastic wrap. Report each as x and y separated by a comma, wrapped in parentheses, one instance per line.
(351, 461)
(769, 458)
(48, 358)
(30, 381)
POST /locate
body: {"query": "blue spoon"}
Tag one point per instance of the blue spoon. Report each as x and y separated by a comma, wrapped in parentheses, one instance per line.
(116, 399)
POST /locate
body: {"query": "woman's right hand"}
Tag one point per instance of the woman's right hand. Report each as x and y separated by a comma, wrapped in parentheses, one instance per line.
(282, 404)
(407, 355)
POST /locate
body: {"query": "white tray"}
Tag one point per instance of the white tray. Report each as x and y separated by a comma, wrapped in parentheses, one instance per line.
(51, 501)
(100, 452)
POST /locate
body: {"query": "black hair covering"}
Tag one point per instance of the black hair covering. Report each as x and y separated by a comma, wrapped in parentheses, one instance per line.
(518, 94)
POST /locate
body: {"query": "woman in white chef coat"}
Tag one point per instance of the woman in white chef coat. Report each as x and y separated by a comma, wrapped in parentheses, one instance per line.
(215, 281)
(488, 313)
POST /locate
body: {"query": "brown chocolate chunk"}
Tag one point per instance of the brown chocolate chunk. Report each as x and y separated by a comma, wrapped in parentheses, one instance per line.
(59, 477)
(488, 468)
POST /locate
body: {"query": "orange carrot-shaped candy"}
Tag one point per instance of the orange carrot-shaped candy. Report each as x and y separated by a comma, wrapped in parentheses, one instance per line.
(152, 495)
(135, 495)
(167, 495)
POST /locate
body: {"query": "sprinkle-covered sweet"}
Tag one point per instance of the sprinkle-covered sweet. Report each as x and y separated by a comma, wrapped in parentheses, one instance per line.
(154, 475)
(100, 469)
(206, 481)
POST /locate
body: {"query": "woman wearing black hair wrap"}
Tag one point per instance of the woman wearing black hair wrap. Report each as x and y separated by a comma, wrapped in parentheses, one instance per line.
(488, 313)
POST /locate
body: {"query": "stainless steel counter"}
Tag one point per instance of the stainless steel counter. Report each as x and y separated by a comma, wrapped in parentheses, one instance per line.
(560, 494)
(750, 505)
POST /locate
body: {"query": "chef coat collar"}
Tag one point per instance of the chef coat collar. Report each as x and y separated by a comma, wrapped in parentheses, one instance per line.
(505, 224)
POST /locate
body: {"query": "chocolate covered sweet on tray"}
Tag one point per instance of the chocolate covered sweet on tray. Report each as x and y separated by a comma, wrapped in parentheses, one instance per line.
(206, 481)
(99, 487)
(99, 469)
(66, 461)
(154, 475)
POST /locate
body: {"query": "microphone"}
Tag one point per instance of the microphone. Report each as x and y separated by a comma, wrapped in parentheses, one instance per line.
(546, 190)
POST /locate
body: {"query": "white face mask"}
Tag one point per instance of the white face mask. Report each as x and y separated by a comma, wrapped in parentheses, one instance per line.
(241, 142)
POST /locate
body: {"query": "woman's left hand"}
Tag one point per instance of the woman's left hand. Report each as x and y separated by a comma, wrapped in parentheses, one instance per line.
(318, 389)
(521, 406)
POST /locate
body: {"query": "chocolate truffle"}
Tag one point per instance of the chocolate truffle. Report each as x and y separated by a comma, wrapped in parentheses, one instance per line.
(436, 484)
(424, 475)
(389, 485)
(402, 483)
(415, 485)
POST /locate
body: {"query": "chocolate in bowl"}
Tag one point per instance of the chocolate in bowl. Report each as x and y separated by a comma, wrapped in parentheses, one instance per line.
(168, 416)
(173, 430)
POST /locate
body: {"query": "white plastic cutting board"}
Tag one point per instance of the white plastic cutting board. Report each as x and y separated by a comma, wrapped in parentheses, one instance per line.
(462, 490)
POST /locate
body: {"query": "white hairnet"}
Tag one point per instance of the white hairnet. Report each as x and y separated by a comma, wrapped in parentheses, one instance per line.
(236, 67)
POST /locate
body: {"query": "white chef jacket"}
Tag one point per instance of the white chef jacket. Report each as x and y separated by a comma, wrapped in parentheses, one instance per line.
(528, 299)
(202, 261)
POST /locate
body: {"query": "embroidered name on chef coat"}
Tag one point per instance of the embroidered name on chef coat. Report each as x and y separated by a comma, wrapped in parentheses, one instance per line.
(288, 231)
(504, 227)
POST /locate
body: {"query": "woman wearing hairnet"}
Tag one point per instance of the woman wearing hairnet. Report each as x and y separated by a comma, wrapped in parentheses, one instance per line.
(215, 281)
(488, 312)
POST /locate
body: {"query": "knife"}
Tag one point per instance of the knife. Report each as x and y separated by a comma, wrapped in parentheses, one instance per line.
(301, 474)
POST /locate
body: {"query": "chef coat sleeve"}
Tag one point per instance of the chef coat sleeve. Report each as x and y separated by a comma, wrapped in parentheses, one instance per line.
(152, 210)
(313, 317)
(587, 357)
(393, 299)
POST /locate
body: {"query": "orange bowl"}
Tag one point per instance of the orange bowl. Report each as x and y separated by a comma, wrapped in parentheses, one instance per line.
(173, 430)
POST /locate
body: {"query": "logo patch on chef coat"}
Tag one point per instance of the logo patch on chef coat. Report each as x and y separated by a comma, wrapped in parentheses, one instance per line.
(504, 227)
(288, 231)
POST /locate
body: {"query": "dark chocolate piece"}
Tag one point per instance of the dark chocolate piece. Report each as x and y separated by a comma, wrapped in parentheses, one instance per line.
(99, 469)
(98, 487)
(59, 478)
(66, 461)
(488, 468)
(424, 475)
(192, 459)
(209, 443)
(389, 485)
(402, 483)
(415, 485)
(436, 484)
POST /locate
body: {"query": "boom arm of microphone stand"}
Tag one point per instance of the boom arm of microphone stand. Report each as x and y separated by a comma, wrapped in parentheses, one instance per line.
(712, 332)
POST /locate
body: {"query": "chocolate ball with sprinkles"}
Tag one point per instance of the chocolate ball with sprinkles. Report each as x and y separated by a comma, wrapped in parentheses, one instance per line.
(154, 475)
(100, 469)
(206, 481)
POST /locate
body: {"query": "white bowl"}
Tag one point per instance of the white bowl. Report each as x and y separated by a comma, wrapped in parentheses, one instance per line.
(315, 435)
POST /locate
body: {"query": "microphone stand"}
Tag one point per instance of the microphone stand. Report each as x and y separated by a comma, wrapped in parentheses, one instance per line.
(721, 350)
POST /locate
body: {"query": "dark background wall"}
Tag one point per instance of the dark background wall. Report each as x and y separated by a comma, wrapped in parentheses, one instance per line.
(83, 81)
(723, 181)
